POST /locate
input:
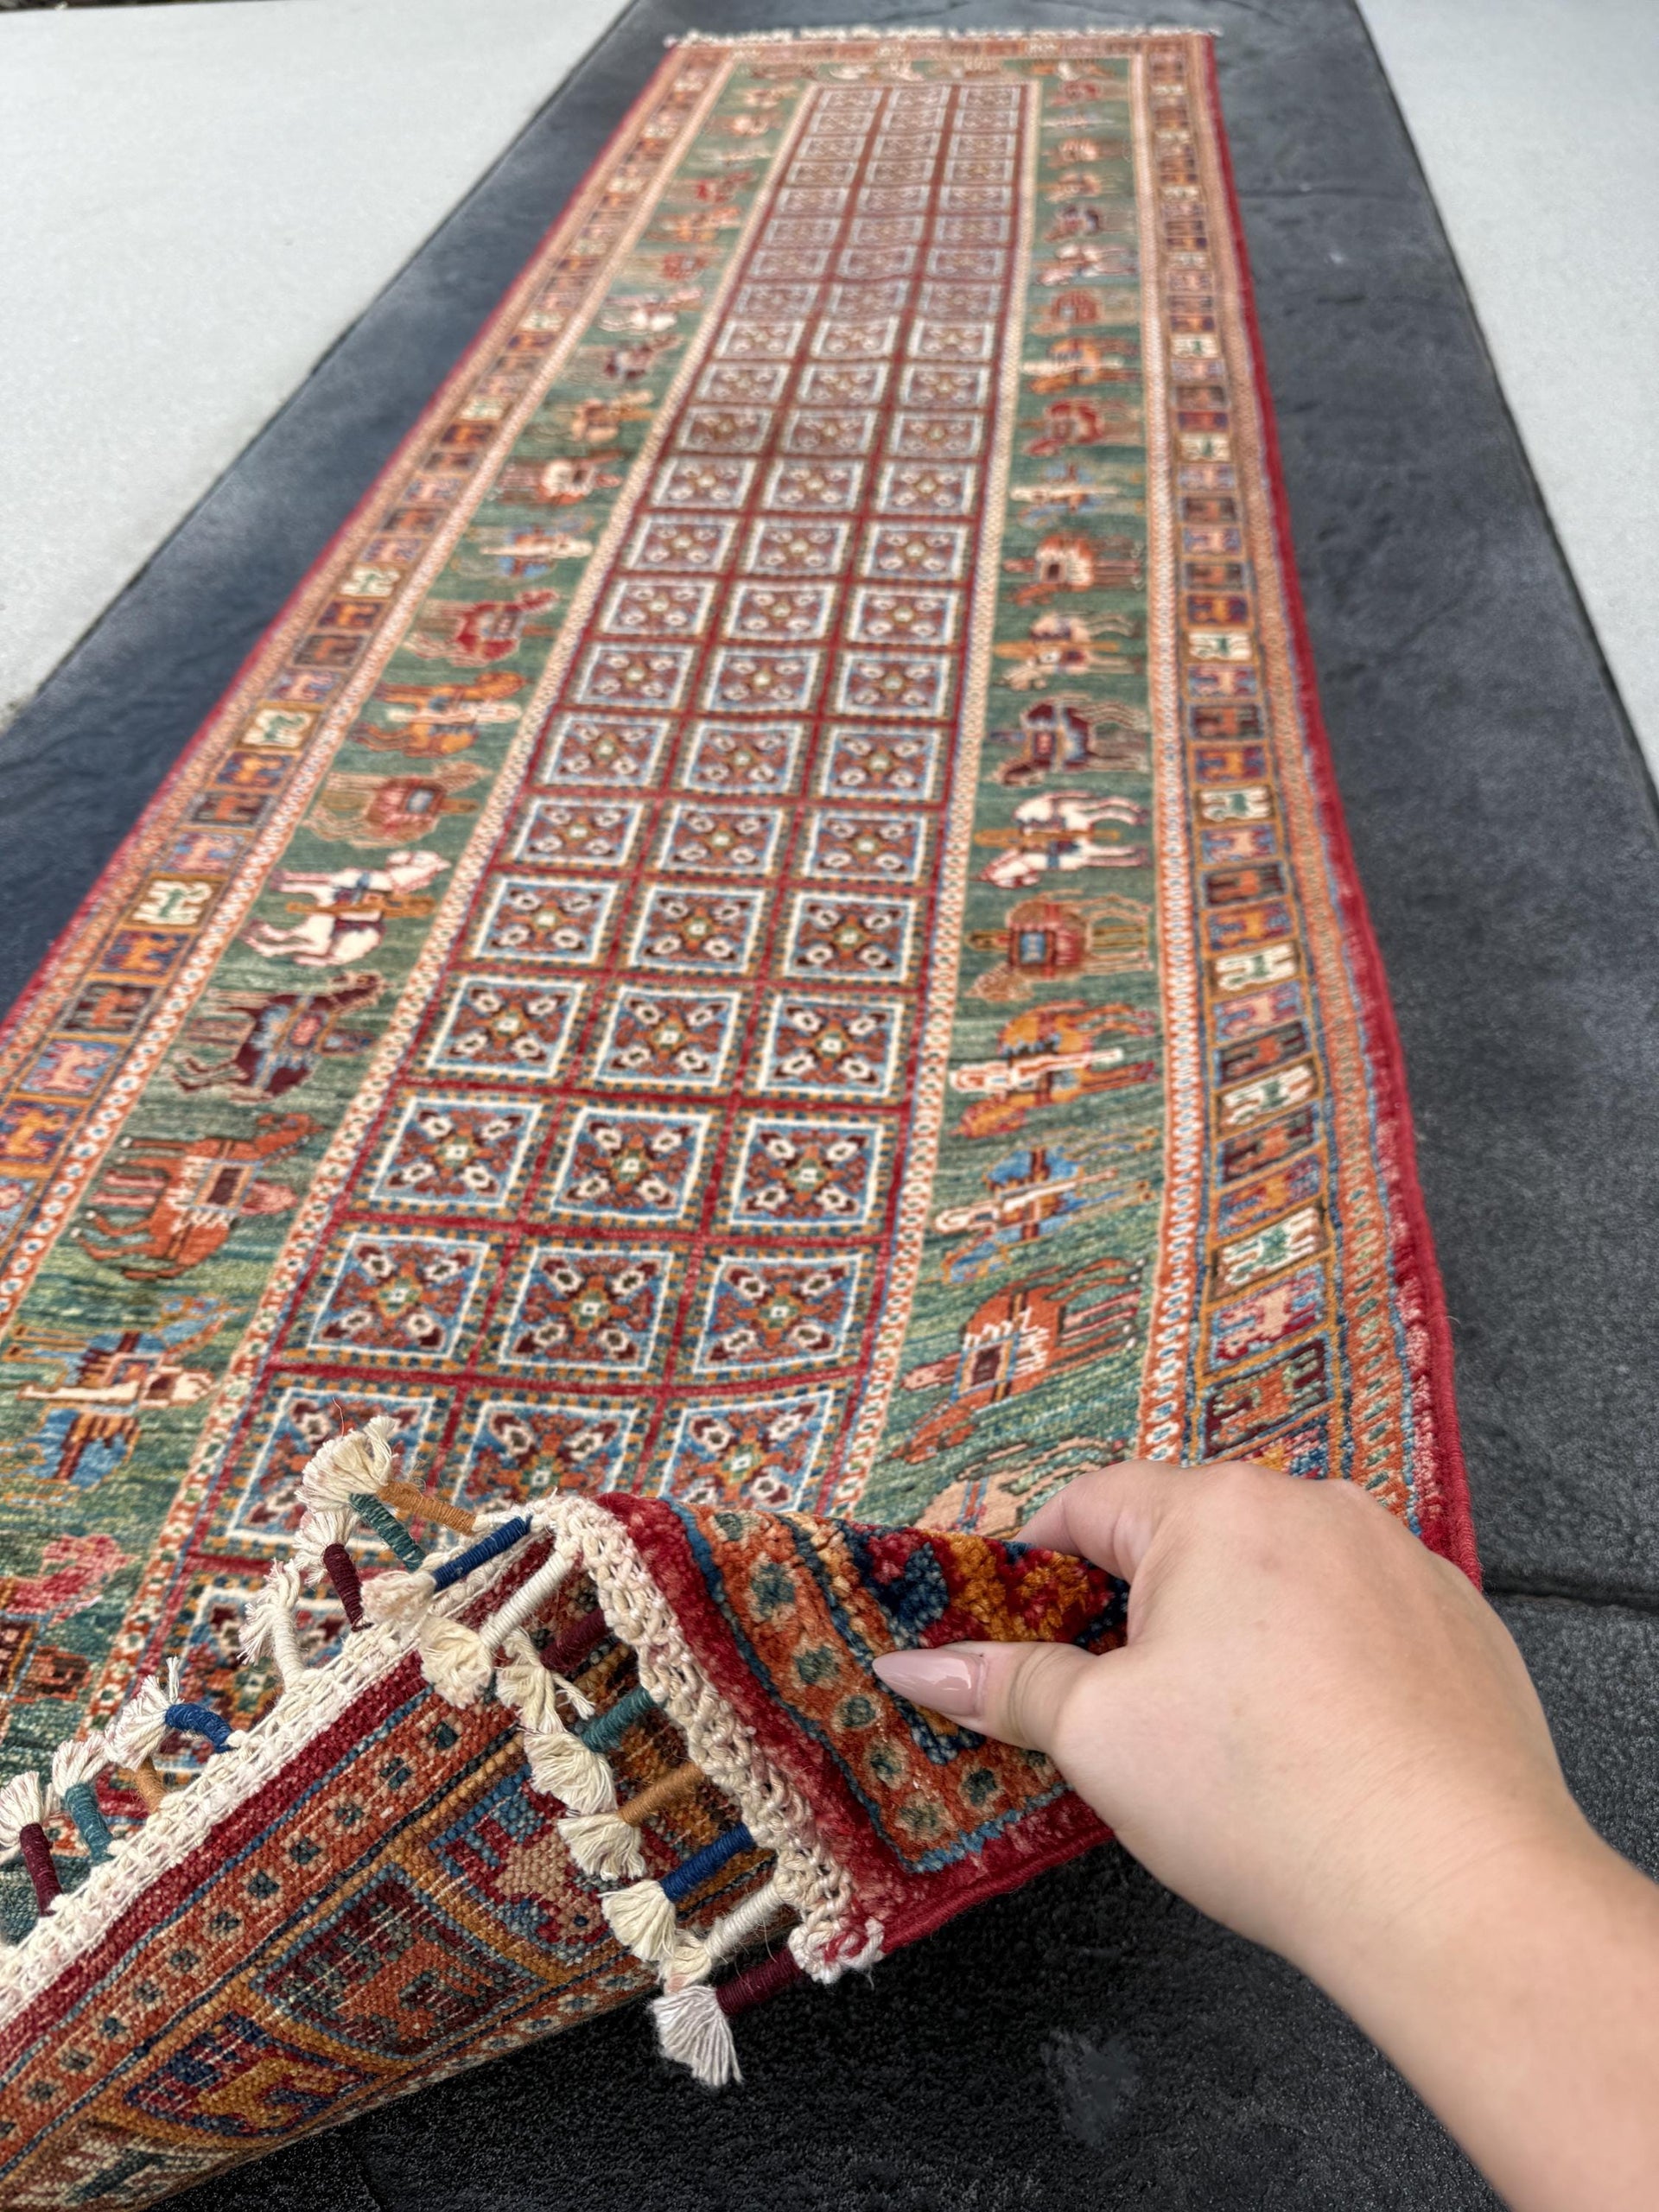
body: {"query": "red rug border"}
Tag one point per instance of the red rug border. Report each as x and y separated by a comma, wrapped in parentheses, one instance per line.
(1457, 1531)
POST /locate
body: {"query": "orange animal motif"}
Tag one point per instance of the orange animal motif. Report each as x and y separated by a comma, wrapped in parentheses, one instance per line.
(188, 1194)
(1069, 560)
(1049, 1056)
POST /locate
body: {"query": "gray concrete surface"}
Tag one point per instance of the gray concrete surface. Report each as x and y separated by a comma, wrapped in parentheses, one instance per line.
(1088, 2043)
(1534, 120)
(198, 201)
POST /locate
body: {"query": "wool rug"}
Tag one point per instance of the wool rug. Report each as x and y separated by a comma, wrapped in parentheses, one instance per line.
(762, 966)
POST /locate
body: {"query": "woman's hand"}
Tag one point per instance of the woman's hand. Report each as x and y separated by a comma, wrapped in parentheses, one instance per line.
(1319, 1733)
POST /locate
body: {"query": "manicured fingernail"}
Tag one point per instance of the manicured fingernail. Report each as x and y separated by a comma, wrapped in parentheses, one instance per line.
(943, 1679)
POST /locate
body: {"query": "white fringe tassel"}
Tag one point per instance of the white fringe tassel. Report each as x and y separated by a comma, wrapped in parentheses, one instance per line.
(693, 2031)
(135, 1734)
(694, 1958)
(267, 1622)
(359, 1460)
(605, 1845)
(25, 1801)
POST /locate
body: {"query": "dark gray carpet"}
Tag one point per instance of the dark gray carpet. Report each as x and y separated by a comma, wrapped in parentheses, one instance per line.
(1088, 2043)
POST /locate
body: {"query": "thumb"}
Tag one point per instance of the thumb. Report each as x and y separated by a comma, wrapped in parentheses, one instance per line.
(1015, 1691)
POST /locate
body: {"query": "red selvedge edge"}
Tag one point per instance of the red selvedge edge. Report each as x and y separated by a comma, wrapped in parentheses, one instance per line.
(1450, 1528)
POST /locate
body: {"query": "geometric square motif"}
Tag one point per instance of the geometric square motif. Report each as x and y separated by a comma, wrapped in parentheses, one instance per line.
(658, 606)
(917, 552)
(882, 616)
(743, 760)
(602, 749)
(629, 1167)
(459, 1155)
(880, 764)
(296, 1425)
(849, 939)
(505, 1025)
(831, 1048)
(540, 918)
(868, 847)
(719, 840)
(923, 487)
(659, 1039)
(758, 1452)
(632, 675)
(894, 684)
(697, 932)
(744, 680)
(578, 833)
(779, 613)
(394, 1297)
(797, 1172)
(522, 1447)
(760, 1315)
(587, 1307)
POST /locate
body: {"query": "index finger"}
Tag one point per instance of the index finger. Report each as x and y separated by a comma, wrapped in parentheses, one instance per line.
(1108, 1515)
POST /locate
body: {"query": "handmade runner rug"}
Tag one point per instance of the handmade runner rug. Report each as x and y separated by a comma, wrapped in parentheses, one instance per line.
(760, 967)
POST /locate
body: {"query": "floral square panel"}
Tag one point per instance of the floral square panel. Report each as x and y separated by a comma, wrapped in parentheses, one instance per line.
(937, 438)
(459, 1153)
(578, 832)
(751, 384)
(697, 930)
(699, 544)
(881, 763)
(545, 919)
(921, 487)
(629, 1167)
(703, 480)
(856, 341)
(806, 1174)
(394, 1297)
(836, 1048)
(743, 760)
(803, 548)
(797, 486)
(916, 552)
(512, 1026)
(746, 679)
(638, 675)
(932, 384)
(843, 847)
(663, 1037)
(588, 1307)
(849, 937)
(843, 384)
(699, 837)
(770, 1314)
(724, 429)
(919, 684)
(658, 606)
(838, 432)
(778, 614)
(740, 1450)
(885, 616)
(613, 750)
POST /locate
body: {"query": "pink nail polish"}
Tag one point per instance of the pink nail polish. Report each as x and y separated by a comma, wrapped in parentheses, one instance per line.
(946, 1680)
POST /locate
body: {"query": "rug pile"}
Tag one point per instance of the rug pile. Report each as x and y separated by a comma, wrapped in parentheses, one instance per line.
(762, 967)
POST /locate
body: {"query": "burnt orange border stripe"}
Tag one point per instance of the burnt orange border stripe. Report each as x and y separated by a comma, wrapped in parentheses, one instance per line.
(1448, 1524)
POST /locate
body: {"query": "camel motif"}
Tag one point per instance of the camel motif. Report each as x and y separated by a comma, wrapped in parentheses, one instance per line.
(189, 1193)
